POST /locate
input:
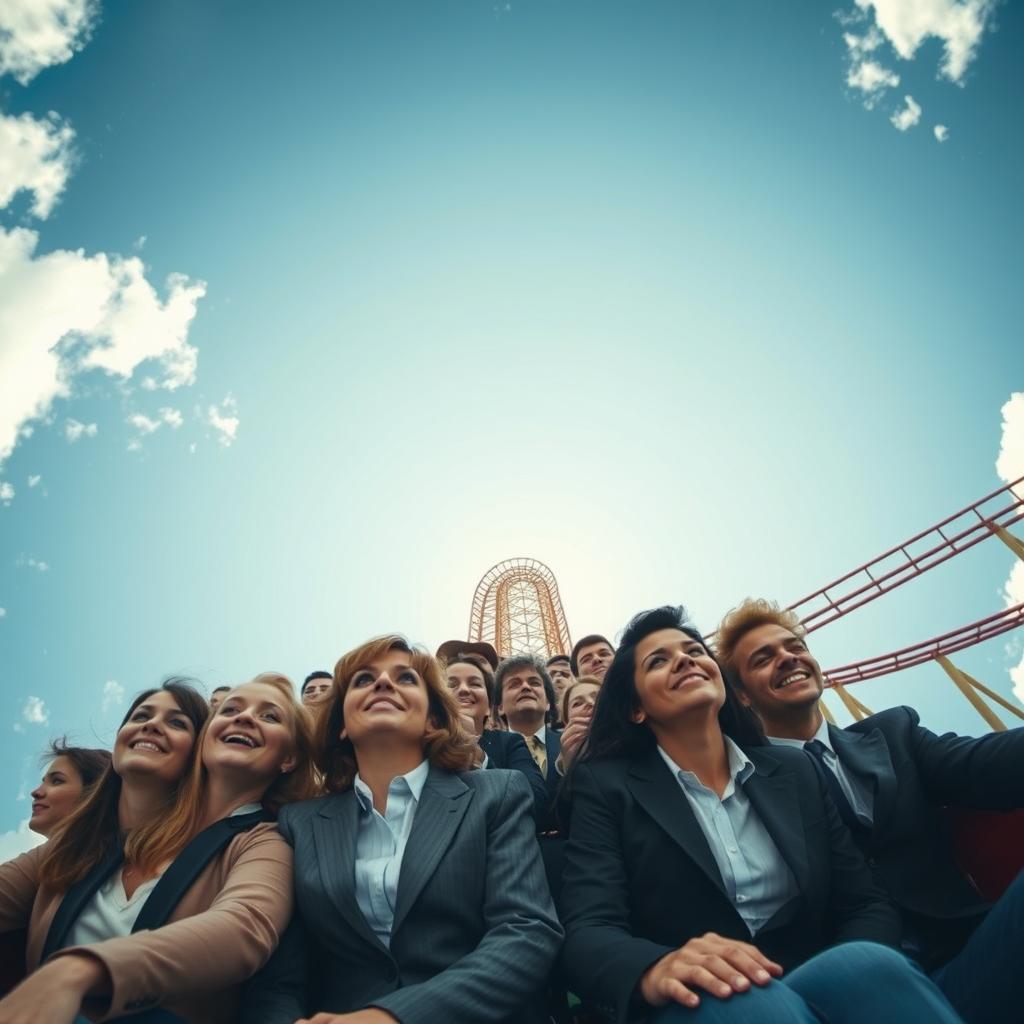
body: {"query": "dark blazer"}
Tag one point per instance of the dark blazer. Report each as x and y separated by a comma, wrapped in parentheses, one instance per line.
(640, 879)
(475, 933)
(508, 750)
(914, 773)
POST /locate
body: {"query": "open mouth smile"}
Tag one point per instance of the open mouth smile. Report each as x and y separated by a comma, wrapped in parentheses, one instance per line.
(794, 677)
(146, 745)
(239, 739)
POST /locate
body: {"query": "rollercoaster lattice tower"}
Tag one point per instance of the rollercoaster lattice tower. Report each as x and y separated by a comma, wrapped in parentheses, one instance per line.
(516, 608)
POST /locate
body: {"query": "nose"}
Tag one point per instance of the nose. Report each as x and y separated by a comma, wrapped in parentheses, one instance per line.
(383, 682)
(38, 793)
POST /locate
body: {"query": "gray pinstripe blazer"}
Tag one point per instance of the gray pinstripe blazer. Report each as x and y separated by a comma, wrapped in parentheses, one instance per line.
(475, 933)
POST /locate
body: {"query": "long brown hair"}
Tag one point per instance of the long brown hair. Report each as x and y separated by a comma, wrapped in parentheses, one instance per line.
(446, 743)
(90, 833)
(163, 838)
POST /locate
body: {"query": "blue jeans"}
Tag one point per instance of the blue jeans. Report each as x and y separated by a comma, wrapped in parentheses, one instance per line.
(855, 983)
(983, 980)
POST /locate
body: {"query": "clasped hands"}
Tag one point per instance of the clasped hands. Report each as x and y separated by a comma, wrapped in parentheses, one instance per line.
(715, 964)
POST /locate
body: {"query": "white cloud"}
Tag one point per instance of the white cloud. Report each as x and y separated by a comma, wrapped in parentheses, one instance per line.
(65, 312)
(35, 34)
(28, 562)
(34, 712)
(908, 116)
(35, 156)
(1009, 467)
(871, 79)
(73, 430)
(149, 384)
(6, 492)
(3, 613)
(18, 841)
(941, 133)
(139, 243)
(958, 24)
(172, 417)
(113, 694)
(147, 424)
(143, 424)
(224, 420)
(34, 480)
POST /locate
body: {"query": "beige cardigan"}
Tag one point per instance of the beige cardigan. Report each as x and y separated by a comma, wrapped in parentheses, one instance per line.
(223, 930)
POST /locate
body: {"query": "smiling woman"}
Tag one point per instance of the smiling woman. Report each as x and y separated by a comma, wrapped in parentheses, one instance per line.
(69, 778)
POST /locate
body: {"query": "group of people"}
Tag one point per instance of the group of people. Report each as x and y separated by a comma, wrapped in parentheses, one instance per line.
(660, 830)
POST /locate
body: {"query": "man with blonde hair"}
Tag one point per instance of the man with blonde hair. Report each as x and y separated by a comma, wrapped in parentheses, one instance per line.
(890, 779)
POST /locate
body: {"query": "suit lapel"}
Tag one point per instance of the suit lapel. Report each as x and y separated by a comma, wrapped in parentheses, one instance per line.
(335, 828)
(75, 900)
(867, 754)
(774, 796)
(442, 805)
(553, 743)
(659, 794)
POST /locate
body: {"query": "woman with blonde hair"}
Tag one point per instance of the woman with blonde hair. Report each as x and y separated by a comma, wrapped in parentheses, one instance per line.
(416, 878)
(134, 928)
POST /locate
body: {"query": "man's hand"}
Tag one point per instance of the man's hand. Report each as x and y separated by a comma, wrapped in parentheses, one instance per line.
(719, 966)
(370, 1016)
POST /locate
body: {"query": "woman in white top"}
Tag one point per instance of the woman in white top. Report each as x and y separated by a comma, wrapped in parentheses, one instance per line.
(203, 875)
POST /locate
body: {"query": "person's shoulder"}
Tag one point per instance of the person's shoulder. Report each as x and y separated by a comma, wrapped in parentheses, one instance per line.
(779, 755)
(891, 721)
(304, 810)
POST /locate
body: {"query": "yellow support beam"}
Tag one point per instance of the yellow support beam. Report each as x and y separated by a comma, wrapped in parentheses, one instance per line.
(967, 685)
(823, 707)
(854, 706)
(1015, 544)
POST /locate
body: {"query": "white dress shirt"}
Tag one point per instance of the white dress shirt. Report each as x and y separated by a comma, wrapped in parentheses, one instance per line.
(861, 798)
(380, 846)
(756, 878)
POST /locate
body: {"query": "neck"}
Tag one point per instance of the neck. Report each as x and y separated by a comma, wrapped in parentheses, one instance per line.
(795, 724)
(378, 765)
(698, 746)
(141, 800)
(227, 792)
(527, 723)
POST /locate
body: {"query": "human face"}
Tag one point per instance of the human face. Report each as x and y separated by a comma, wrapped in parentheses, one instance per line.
(594, 659)
(522, 693)
(216, 699)
(56, 796)
(252, 734)
(386, 700)
(582, 700)
(675, 677)
(468, 687)
(776, 670)
(156, 742)
(316, 690)
(561, 676)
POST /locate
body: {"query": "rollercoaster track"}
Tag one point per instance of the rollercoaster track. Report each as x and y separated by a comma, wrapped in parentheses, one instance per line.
(913, 557)
(928, 650)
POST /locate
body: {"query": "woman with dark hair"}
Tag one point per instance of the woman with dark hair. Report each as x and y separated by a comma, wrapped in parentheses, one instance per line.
(472, 685)
(702, 862)
(205, 871)
(70, 774)
(418, 881)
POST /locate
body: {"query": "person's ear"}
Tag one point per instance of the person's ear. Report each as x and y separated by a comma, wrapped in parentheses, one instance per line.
(289, 765)
(639, 716)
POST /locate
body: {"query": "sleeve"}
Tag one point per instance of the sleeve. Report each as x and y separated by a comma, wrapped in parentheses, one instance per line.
(278, 992)
(858, 909)
(519, 759)
(603, 960)
(522, 936)
(984, 773)
(220, 947)
(19, 883)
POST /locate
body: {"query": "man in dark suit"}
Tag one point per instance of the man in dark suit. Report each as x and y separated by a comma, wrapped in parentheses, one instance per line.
(890, 778)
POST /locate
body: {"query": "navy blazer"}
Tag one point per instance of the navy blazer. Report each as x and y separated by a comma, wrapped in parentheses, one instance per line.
(641, 880)
(472, 904)
(913, 773)
(509, 750)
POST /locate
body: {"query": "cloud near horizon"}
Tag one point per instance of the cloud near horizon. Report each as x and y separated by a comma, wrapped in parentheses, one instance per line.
(36, 34)
(1010, 467)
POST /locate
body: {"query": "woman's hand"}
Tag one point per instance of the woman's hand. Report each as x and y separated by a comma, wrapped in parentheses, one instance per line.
(573, 736)
(55, 992)
(717, 965)
(370, 1016)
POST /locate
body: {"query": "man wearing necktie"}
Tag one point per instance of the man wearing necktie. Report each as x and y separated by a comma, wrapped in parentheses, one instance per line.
(890, 778)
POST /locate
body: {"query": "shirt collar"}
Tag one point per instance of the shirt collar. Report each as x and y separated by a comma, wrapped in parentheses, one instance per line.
(246, 809)
(541, 734)
(740, 766)
(821, 734)
(413, 782)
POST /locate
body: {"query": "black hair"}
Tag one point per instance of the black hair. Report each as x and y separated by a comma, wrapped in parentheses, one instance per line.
(559, 657)
(220, 689)
(319, 674)
(614, 733)
(589, 640)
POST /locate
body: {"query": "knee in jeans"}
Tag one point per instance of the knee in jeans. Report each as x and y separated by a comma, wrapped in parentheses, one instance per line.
(882, 964)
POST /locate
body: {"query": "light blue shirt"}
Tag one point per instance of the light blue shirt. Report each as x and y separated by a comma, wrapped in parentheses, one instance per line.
(756, 878)
(380, 846)
(861, 798)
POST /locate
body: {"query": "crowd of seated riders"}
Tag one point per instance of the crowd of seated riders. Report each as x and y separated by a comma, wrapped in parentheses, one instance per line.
(655, 830)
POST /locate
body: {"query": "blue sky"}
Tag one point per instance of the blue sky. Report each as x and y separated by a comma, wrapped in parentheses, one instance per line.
(315, 312)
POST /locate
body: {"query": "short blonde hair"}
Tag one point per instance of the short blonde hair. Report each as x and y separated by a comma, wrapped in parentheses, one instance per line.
(446, 743)
(748, 615)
